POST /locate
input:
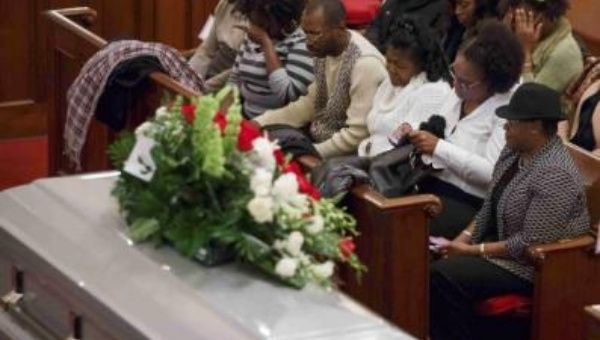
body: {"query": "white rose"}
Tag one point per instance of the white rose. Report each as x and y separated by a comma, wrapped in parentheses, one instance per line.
(285, 187)
(323, 270)
(261, 209)
(286, 267)
(294, 243)
(261, 182)
(316, 225)
(279, 244)
(144, 129)
(161, 112)
(264, 150)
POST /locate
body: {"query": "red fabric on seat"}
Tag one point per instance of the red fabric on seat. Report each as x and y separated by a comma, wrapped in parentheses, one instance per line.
(517, 305)
(361, 12)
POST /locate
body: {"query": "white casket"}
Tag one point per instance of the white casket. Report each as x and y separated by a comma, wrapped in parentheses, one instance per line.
(67, 270)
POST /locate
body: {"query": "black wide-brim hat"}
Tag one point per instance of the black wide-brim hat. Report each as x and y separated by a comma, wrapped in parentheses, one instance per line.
(532, 101)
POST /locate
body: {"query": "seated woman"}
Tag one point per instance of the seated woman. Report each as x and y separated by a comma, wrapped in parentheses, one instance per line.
(467, 15)
(537, 196)
(552, 55)
(414, 89)
(584, 127)
(214, 58)
(485, 70)
(273, 67)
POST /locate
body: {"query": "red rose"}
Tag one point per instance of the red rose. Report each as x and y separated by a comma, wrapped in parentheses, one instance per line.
(280, 157)
(189, 113)
(304, 185)
(294, 168)
(248, 133)
(221, 120)
(347, 247)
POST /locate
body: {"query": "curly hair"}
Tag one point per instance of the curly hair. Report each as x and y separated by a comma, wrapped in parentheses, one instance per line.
(551, 9)
(424, 48)
(282, 12)
(496, 50)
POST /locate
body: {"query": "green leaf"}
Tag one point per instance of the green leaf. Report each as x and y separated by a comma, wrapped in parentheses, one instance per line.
(143, 228)
(119, 151)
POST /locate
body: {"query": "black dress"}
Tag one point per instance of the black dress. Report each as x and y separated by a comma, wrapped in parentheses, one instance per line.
(584, 137)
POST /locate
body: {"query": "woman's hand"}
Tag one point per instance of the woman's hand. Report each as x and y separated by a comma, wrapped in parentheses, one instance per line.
(256, 34)
(528, 28)
(456, 248)
(425, 142)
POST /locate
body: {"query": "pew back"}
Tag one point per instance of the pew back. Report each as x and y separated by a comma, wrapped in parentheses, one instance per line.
(71, 44)
(589, 167)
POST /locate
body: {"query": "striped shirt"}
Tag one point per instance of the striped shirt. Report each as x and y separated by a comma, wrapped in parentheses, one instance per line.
(261, 91)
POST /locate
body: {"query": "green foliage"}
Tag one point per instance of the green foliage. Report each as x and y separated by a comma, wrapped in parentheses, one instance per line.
(197, 198)
(119, 151)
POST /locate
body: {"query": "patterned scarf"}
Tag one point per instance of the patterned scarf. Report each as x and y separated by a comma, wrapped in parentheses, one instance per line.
(331, 109)
(84, 93)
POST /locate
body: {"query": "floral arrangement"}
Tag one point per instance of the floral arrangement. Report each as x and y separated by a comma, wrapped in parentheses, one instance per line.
(209, 183)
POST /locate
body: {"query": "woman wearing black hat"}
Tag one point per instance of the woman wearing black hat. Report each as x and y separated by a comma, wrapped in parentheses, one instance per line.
(537, 196)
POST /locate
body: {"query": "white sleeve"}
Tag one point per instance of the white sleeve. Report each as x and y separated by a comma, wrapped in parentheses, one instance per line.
(473, 168)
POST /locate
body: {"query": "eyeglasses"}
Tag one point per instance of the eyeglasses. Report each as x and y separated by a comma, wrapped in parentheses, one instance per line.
(463, 84)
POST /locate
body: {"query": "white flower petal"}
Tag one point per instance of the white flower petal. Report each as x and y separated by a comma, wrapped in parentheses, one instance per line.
(286, 267)
(261, 209)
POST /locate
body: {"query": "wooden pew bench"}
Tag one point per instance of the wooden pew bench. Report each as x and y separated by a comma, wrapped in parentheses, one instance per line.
(71, 44)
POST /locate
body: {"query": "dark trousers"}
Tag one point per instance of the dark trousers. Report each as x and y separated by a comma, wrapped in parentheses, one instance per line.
(458, 208)
(454, 218)
(456, 285)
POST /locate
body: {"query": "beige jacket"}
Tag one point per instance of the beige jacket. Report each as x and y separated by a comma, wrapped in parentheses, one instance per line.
(369, 72)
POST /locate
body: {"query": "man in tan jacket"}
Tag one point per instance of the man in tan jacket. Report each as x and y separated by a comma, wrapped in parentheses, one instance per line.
(348, 71)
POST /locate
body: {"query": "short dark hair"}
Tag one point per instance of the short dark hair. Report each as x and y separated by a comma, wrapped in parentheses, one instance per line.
(420, 41)
(496, 50)
(334, 11)
(552, 9)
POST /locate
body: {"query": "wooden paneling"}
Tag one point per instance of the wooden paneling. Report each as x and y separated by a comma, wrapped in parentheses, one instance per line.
(24, 57)
(584, 16)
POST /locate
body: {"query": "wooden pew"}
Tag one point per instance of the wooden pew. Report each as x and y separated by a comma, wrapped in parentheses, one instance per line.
(71, 44)
(393, 244)
(568, 272)
(584, 18)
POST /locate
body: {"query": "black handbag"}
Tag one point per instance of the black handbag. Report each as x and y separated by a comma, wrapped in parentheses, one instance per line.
(397, 172)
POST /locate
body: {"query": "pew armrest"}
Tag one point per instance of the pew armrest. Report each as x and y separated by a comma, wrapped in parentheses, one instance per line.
(537, 253)
(77, 20)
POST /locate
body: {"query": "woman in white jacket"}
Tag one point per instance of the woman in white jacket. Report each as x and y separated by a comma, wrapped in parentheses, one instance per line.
(415, 89)
(486, 70)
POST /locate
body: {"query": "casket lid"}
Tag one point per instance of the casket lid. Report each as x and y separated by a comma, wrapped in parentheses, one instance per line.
(74, 225)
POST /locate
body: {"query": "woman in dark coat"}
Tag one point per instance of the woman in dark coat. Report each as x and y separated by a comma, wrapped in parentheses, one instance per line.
(536, 196)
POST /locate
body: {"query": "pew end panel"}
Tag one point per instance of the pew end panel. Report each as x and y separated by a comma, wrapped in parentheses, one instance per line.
(393, 244)
(566, 280)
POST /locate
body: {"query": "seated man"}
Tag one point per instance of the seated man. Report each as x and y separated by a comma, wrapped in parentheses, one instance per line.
(348, 71)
